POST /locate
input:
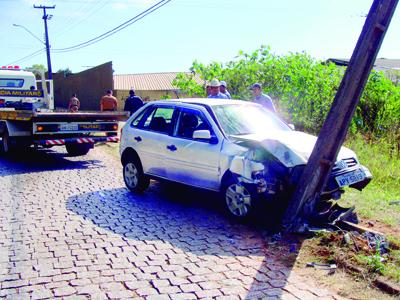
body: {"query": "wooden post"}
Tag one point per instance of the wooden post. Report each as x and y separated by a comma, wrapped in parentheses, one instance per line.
(334, 129)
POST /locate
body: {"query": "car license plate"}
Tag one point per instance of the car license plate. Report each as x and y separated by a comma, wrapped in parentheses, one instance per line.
(350, 178)
(68, 127)
(95, 127)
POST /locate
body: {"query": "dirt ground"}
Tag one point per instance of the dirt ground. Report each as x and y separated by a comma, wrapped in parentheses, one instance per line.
(347, 285)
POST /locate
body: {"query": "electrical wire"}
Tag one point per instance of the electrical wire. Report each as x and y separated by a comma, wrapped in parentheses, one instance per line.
(102, 36)
(89, 12)
(116, 29)
(36, 53)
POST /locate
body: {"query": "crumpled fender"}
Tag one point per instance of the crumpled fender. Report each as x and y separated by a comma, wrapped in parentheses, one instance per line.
(245, 167)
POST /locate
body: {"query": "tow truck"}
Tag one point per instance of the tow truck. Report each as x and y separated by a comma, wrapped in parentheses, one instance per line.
(28, 117)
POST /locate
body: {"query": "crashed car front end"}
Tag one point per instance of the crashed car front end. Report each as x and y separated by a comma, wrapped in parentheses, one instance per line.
(274, 168)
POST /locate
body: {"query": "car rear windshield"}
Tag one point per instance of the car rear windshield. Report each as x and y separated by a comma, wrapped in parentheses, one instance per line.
(241, 119)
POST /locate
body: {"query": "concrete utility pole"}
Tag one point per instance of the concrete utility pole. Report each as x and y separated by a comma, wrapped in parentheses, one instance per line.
(45, 18)
(334, 129)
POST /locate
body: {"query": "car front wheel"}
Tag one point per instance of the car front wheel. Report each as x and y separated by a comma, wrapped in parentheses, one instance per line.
(134, 178)
(239, 200)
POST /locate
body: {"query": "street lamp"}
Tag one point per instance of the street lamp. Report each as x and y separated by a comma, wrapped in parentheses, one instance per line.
(30, 32)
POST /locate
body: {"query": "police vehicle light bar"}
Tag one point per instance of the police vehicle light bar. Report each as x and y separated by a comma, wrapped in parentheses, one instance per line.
(10, 67)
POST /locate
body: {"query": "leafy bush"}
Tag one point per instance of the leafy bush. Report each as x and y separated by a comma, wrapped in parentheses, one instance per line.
(303, 90)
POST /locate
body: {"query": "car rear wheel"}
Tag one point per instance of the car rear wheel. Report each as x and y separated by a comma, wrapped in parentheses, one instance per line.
(239, 200)
(134, 178)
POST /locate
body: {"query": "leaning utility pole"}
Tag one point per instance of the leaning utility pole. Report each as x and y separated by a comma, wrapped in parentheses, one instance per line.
(334, 130)
(45, 18)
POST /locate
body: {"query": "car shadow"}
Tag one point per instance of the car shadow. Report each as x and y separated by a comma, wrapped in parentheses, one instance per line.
(38, 160)
(193, 221)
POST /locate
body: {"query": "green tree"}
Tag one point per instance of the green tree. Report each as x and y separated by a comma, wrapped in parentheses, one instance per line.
(303, 89)
(37, 69)
(66, 72)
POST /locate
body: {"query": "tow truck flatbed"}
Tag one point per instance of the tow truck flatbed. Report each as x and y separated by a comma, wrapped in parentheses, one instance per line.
(22, 115)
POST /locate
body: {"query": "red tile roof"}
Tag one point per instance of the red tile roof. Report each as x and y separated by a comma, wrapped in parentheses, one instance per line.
(147, 81)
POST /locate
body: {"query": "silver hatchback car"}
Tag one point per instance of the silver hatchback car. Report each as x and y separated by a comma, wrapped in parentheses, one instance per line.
(234, 147)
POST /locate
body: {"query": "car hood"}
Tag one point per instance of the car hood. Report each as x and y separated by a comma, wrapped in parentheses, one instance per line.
(292, 148)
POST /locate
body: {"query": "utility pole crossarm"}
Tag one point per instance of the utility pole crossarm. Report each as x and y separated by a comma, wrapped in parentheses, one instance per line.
(45, 18)
(334, 129)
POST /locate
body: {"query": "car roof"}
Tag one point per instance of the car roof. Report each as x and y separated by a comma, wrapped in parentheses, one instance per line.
(202, 101)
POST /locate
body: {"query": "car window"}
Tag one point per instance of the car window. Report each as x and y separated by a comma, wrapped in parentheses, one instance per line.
(160, 120)
(139, 117)
(189, 121)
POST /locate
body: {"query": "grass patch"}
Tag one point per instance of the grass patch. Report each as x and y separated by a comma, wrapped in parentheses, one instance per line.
(374, 202)
(377, 203)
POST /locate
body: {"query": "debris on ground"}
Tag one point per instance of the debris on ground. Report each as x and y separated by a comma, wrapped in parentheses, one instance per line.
(366, 254)
(329, 267)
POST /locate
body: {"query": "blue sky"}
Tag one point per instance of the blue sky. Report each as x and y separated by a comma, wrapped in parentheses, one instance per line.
(172, 37)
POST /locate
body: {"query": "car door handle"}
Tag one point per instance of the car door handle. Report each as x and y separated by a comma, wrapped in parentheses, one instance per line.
(171, 147)
(138, 138)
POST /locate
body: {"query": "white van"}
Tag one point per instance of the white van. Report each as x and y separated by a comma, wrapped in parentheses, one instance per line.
(18, 89)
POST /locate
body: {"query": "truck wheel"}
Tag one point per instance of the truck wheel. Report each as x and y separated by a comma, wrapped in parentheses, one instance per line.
(5, 146)
(239, 199)
(77, 149)
(134, 178)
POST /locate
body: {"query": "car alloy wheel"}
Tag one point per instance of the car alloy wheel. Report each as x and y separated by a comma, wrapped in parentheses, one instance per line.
(134, 178)
(238, 200)
(131, 175)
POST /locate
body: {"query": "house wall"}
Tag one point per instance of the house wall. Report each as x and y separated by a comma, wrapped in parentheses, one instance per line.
(89, 85)
(145, 95)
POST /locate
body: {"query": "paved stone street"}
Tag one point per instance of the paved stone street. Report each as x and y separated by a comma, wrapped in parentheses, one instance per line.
(69, 229)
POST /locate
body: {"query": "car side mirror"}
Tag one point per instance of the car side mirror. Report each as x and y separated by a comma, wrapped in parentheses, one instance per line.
(205, 135)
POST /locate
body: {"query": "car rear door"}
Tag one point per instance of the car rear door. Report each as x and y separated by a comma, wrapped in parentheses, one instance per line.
(190, 161)
(149, 137)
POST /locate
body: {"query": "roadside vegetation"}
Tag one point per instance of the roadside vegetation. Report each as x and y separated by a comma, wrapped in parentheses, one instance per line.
(303, 90)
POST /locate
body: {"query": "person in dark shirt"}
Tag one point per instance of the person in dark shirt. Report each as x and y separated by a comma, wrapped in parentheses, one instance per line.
(133, 102)
(263, 99)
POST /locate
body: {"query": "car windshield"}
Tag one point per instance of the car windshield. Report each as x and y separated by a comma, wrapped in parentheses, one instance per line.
(241, 119)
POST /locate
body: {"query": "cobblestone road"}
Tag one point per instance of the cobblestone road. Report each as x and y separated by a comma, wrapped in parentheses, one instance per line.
(69, 229)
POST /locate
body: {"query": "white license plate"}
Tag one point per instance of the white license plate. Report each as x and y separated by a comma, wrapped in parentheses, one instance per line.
(68, 127)
(350, 178)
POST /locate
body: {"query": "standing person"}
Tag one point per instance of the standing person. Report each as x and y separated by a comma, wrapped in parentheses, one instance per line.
(108, 102)
(133, 102)
(74, 104)
(224, 90)
(263, 99)
(214, 90)
(208, 90)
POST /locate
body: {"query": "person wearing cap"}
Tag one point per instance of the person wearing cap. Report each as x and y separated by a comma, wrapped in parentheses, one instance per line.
(132, 103)
(214, 90)
(263, 99)
(223, 89)
(108, 102)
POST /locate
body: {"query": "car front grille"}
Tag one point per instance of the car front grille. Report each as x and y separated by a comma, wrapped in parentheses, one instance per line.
(344, 164)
